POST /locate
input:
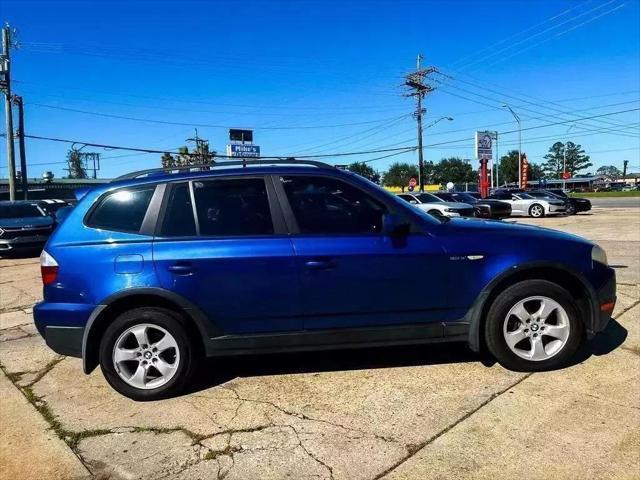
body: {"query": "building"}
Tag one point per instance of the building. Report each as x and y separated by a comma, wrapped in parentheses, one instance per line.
(39, 188)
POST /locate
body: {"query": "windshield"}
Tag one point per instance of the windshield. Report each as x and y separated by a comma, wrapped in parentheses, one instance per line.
(525, 196)
(20, 211)
(427, 198)
(465, 197)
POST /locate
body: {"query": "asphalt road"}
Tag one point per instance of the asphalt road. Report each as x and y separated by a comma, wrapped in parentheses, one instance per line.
(615, 202)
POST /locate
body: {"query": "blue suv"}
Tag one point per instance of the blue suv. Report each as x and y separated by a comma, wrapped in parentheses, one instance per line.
(158, 269)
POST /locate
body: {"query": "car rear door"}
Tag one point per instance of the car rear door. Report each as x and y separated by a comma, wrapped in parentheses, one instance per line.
(221, 244)
(351, 274)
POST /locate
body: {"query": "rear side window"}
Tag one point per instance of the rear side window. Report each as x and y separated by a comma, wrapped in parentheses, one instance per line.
(328, 206)
(178, 218)
(122, 210)
(233, 207)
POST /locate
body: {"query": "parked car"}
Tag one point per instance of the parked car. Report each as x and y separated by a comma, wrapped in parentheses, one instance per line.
(23, 226)
(433, 205)
(573, 204)
(52, 205)
(154, 271)
(484, 207)
(523, 204)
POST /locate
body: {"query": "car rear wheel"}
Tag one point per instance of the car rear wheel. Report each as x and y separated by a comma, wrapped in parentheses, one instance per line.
(536, 210)
(571, 209)
(146, 354)
(533, 325)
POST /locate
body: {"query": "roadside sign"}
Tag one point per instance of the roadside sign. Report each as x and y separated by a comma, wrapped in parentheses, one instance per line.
(484, 145)
(239, 135)
(243, 151)
(524, 179)
(566, 175)
(412, 184)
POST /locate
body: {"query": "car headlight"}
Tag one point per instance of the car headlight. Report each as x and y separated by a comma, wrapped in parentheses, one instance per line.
(599, 255)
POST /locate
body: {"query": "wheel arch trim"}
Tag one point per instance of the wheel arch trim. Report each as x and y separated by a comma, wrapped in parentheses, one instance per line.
(474, 316)
(204, 325)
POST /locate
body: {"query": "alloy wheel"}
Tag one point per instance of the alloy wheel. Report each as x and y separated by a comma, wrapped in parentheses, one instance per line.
(146, 356)
(536, 211)
(536, 328)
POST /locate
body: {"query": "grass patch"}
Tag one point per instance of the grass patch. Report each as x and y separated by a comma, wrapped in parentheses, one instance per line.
(606, 194)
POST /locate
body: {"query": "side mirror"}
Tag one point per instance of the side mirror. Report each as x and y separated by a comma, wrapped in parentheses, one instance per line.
(394, 225)
(413, 202)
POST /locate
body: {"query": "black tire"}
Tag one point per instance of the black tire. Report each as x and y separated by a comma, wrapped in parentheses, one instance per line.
(494, 335)
(532, 209)
(435, 213)
(571, 209)
(172, 323)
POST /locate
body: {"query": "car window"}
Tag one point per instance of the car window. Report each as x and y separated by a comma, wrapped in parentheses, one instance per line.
(178, 218)
(428, 198)
(122, 210)
(233, 207)
(329, 206)
(407, 198)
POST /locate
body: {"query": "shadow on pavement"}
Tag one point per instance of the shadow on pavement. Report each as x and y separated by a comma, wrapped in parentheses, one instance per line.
(35, 253)
(215, 371)
(603, 343)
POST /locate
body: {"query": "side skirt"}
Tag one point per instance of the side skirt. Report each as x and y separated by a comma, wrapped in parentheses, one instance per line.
(333, 339)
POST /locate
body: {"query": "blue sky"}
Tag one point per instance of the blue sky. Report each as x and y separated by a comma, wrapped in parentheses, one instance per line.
(319, 77)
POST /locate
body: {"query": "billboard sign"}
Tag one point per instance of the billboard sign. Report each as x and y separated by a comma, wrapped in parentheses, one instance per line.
(524, 179)
(239, 135)
(243, 151)
(484, 145)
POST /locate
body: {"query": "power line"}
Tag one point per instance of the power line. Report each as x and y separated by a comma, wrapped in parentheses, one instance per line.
(151, 150)
(205, 125)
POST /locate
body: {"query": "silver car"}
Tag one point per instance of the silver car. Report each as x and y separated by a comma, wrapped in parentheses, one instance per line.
(436, 206)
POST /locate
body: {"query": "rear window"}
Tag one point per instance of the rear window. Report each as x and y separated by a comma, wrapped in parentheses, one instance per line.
(122, 210)
(178, 219)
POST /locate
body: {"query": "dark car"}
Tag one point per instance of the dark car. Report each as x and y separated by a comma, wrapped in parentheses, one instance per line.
(52, 205)
(150, 273)
(576, 205)
(24, 226)
(484, 207)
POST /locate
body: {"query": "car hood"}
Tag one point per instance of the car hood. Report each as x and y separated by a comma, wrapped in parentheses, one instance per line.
(478, 226)
(27, 222)
(452, 204)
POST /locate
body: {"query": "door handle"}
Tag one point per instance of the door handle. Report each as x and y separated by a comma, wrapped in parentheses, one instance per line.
(319, 264)
(181, 269)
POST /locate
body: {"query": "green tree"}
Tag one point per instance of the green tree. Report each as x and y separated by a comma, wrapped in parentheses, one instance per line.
(570, 154)
(76, 168)
(454, 170)
(365, 171)
(399, 175)
(610, 172)
(508, 169)
(201, 155)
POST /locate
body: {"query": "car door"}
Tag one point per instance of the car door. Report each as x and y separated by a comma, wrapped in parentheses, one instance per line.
(351, 274)
(520, 205)
(222, 245)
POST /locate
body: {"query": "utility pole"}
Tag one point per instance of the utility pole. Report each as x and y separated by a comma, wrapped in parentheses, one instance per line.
(497, 165)
(416, 81)
(5, 84)
(23, 153)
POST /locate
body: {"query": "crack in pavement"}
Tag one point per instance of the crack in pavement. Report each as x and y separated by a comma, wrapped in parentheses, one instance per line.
(416, 448)
(303, 416)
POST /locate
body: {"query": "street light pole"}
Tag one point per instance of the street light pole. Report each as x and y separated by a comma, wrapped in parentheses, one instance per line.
(515, 115)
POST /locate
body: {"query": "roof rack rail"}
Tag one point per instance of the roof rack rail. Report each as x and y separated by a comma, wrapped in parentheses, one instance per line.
(207, 166)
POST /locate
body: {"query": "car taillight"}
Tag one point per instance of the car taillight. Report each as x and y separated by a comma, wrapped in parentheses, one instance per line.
(48, 268)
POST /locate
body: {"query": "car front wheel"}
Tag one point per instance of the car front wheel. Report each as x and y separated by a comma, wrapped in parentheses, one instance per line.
(533, 325)
(146, 354)
(536, 210)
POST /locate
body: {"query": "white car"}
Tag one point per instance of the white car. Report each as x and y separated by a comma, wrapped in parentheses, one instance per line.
(436, 206)
(523, 204)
